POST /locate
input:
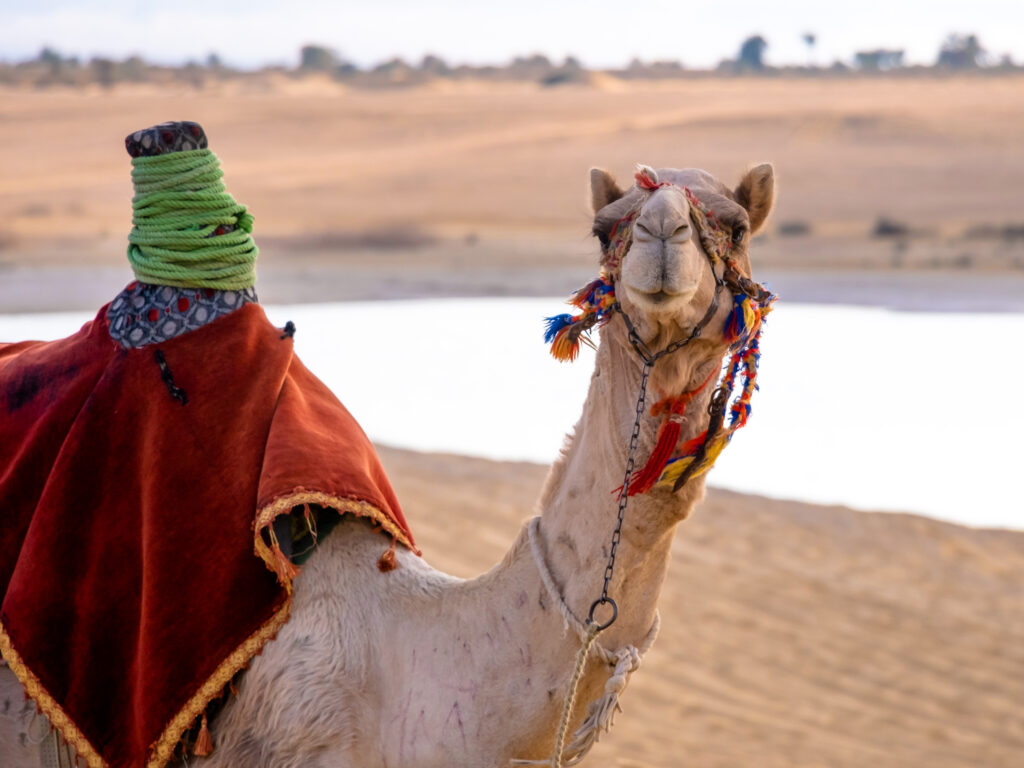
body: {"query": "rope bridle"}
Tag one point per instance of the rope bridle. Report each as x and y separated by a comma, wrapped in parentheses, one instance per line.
(597, 300)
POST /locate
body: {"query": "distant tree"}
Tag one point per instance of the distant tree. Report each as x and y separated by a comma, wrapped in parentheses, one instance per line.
(213, 61)
(53, 61)
(878, 60)
(394, 70)
(392, 65)
(318, 57)
(193, 74)
(809, 40)
(103, 71)
(571, 71)
(536, 60)
(434, 64)
(535, 67)
(960, 52)
(49, 56)
(133, 69)
(751, 54)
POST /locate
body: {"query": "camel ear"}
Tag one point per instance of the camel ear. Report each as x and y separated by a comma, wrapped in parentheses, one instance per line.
(756, 193)
(603, 189)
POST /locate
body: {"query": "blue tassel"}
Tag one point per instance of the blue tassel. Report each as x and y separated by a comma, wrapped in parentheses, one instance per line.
(554, 324)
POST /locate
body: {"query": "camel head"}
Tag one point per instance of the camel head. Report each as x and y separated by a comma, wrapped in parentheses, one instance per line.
(661, 248)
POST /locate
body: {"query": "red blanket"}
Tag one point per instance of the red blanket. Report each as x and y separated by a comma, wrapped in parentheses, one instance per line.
(135, 540)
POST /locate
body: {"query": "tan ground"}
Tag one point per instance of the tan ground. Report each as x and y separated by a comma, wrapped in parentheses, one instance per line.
(497, 171)
(793, 635)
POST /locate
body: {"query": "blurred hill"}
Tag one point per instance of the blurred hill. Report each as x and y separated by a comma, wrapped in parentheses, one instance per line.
(466, 185)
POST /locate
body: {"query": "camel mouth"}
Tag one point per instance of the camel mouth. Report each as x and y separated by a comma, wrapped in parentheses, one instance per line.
(660, 299)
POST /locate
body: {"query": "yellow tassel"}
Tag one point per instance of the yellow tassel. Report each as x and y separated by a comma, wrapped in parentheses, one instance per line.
(675, 469)
(749, 318)
(204, 742)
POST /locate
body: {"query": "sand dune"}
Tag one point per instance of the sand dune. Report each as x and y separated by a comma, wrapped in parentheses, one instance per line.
(792, 635)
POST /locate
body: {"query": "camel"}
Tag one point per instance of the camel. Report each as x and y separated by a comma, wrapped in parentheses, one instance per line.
(415, 668)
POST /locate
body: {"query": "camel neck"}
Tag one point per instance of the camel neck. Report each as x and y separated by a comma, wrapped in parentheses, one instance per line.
(579, 504)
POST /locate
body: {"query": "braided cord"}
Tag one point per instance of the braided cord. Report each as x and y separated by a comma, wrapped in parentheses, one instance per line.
(625, 660)
(187, 230)
(570, 700)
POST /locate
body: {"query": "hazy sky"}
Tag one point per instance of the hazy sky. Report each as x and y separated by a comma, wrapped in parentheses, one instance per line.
(599, 32)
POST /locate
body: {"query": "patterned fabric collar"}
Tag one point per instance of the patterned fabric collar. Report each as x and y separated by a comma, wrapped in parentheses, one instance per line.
(144, 314)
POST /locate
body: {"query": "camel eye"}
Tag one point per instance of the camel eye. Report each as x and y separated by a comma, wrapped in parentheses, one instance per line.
(602, 237)
(738, 234)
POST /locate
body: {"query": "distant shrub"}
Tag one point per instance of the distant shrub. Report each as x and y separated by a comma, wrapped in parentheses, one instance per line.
(562, 77)
(36, 210)
(793, 228)
(318, 57)
(380, 238)
(982, 232)
(886, 227)
(1008, 232)
(1012, 232)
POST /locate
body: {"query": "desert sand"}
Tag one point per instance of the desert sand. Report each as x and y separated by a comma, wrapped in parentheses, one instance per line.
(793, 635)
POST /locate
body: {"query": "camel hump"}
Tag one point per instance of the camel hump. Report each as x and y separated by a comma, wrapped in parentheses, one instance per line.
(176, 136)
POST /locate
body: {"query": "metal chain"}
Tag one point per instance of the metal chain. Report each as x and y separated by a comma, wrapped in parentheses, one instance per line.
(649, 359)
(623, 502)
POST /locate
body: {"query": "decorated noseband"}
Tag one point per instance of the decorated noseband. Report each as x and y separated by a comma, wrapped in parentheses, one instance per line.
(672, 462)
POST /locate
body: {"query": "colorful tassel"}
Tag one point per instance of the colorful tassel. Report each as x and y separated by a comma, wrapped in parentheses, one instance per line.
(742, 319)
(204, 742)
(555, 325)
(668, 436)
(646, 182)
(566, 344)
(673, 408)
(565, 332)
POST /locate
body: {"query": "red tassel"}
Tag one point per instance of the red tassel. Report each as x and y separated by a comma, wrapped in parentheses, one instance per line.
(668, 436)
(690, 446)
(388, 561)
(646, 182)
(204, 742)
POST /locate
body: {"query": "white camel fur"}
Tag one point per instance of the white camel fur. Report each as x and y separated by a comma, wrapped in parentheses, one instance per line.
(417, 669)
